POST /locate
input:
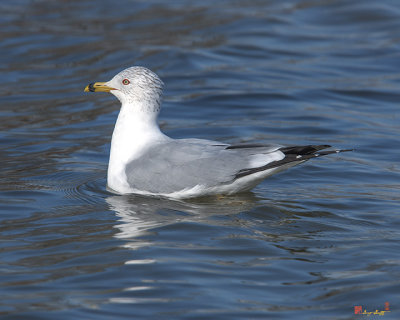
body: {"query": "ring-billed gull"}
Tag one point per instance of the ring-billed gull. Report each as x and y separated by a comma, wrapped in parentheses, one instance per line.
(143, 160)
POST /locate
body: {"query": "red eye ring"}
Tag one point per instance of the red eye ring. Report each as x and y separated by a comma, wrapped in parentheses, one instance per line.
(126, 82)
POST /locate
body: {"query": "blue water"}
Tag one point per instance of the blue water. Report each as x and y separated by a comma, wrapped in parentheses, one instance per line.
(310, 243)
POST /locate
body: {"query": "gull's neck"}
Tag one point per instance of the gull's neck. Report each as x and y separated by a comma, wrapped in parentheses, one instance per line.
(135, 130)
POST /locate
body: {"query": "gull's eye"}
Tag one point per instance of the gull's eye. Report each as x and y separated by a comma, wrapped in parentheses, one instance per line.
(126, 82)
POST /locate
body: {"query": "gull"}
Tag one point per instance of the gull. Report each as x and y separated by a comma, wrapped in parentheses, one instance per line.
(143, 160)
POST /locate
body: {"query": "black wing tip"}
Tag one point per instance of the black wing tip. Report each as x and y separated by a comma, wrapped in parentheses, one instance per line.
(291, 155)
(347, 150)
(304, 150)
(310, 149)
(245, 145)
(326, 152)
(336, 151)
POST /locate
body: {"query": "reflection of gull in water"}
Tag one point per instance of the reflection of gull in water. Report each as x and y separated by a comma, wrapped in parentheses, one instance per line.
(140, 215)
(145, 161)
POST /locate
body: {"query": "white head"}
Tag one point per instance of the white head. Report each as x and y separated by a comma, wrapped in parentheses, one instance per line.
(134, 86)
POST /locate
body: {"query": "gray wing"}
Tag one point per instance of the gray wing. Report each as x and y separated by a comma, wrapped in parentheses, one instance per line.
(179, 164)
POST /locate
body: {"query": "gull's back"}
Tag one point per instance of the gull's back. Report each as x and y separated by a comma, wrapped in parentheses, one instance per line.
(184, 164)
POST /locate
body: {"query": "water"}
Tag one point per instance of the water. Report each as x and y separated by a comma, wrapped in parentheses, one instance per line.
(310, 243)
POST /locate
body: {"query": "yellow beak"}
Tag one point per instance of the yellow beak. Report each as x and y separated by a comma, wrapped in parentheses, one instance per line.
(98, 87)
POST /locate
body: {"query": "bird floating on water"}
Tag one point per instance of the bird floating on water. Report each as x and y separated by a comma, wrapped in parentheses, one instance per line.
(143, 160)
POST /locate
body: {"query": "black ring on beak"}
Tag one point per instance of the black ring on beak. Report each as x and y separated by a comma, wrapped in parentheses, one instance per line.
(91, 87)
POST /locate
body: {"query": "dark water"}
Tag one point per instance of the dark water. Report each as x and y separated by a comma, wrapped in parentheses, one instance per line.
(310, 243)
